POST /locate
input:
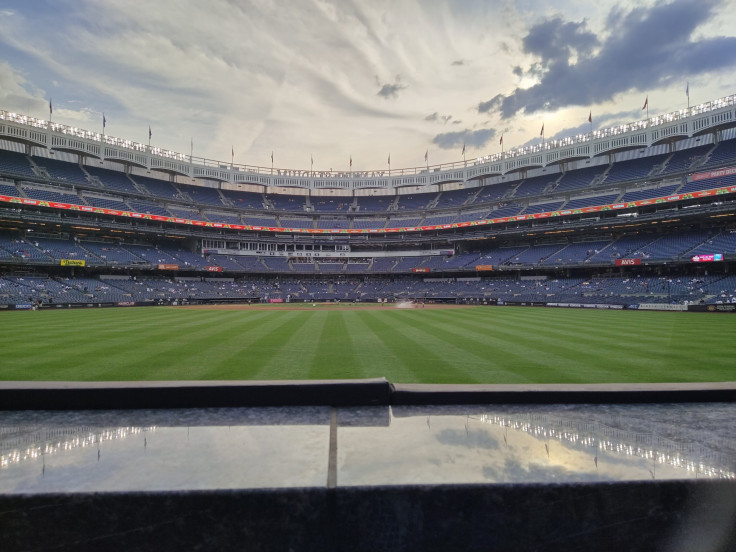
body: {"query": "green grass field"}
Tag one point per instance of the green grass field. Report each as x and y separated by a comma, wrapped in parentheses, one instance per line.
(465, 345)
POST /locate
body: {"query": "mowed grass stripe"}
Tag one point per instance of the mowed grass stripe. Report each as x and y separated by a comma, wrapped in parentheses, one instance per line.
(194, 349)
(163, 350)
(489, 344)
(289, 350)
(371, 356)
(470, 347)
(522, 363)
(335, 357)
(570, 355)
(254, 333)
(596, 351)
(526, 348)
(415, 349)
(33, 357)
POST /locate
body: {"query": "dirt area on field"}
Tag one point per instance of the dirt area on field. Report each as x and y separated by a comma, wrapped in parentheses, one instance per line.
(329, 306)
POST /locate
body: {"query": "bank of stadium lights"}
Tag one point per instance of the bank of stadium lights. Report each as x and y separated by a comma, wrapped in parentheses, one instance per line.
(597, 134)
(22, 119)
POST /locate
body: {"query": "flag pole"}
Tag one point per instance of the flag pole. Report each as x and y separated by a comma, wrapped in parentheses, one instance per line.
(389, 164)
(271, 161)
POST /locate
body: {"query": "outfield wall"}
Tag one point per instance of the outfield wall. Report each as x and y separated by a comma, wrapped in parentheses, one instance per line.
(710, 308)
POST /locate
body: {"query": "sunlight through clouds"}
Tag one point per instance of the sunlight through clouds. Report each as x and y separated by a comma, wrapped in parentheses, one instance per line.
(335, 79)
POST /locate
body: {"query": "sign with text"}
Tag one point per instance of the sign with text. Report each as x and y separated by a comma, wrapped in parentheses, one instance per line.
(628, 262)
(72, 262)
(707, 258)
(720, 173)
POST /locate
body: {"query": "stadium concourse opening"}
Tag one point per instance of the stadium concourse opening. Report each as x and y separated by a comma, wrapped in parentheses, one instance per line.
(603, 230)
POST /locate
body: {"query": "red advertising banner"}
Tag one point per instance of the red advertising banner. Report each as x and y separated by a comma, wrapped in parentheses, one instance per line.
(480, 268)
(716, 257)
(168, 267)
(720, 173)
(213, 268)
(276, 300)
(627, 262)
(423, 270)
(486, 222)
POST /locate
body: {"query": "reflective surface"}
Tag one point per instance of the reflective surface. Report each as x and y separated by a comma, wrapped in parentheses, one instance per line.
(163, 450)
(291, 447)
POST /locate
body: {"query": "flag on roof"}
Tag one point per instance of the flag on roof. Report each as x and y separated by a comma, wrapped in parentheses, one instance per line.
(500, 142)
(104, 121)
(646, 103)
(389, 158)
(463, 149)
(426, 155)
(149, 132)
(687, 89)
(541, 133)
(51, 108)
(351, 160)
(590, 117)
(271, 156)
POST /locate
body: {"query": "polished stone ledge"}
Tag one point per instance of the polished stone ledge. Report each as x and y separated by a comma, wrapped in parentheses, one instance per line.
(403, 477)
(30, 395)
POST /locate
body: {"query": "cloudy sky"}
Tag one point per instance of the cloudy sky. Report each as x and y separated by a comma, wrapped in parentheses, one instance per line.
(333, 79)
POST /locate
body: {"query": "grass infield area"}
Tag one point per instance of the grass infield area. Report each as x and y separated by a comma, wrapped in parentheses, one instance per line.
(405, 345)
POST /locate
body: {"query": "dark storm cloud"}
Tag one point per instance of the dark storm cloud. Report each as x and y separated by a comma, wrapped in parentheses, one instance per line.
(471, 138)
(647, 48)
(492, 104)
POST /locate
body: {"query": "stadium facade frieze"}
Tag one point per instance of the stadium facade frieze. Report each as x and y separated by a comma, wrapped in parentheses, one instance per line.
(290, 252)
(700, 119)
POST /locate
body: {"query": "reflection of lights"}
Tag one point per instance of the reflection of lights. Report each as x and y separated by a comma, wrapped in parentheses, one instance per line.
(609, 439)
(52, 446)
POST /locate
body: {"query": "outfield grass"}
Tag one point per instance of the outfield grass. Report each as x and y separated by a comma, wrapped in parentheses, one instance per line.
(465, 345)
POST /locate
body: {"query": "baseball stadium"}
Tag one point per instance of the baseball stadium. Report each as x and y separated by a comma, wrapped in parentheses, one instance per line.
(594, 258)
(531, 350)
